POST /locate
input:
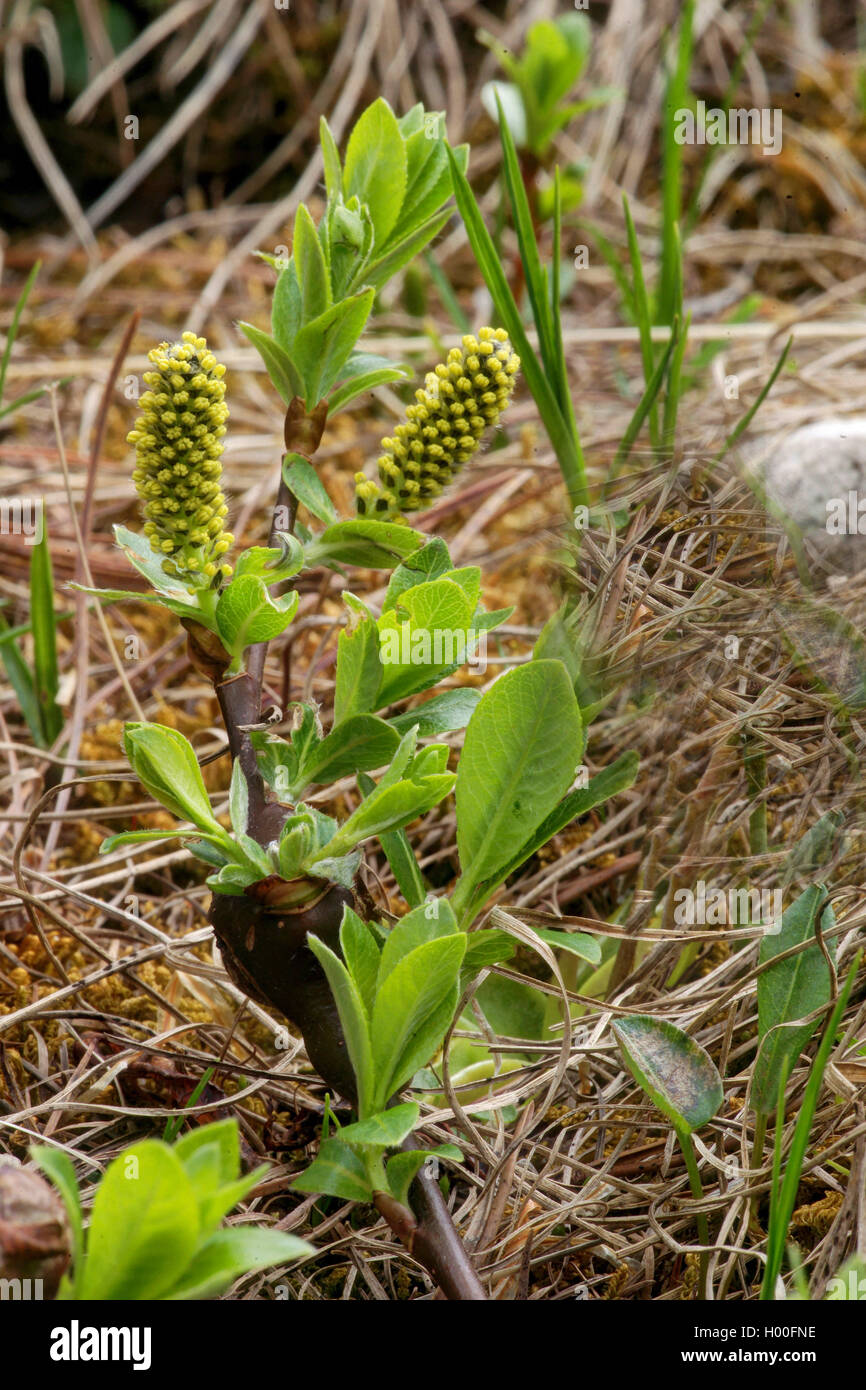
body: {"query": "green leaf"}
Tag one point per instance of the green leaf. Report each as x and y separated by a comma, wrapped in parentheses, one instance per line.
(369, 544)
(555, 642)
(360, 743)
(302, 479)
(312, 272)
(386, 1130)
(788, 991)
(353, 1017)
(280, 366)
(612, 780)
(442, 714)
(271, 563)
(784, 1193)
(359, 671)
(286, 313)
(44, 628)
(487, 947)
(336, 1171)
(674, 1071)
(141, 556)
(323, 345)
(342, 869)
(246, 613)
(375, 166)
(143, 1228)
(432, 561)
(212, 1164)
(239, 800)
(389, 808)
(427, 637)
(331, 160)
(223, 1136)
(141, 837)
(414, 1007)
(403, 864)
(380, 271)
(522, 748)
(361, 954)
(22, 683)
(428, 183)
(233, 879)
(348, 229)
(577, 942)
(57, 1167)
(233, 1252)
(12, 331)
(182, 610)
(166, 766)
(402, 1169)
(815, 848)
(512, 1008)
(403, 757)
(643, 312)
(412, 120)
(398, 852)
(427, 922)
(363, 372)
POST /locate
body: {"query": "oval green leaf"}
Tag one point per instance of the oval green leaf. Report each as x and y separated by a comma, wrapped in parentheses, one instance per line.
(675, 1071)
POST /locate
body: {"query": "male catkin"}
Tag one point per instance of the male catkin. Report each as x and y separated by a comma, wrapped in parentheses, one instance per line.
(460, 400)
(178, 440)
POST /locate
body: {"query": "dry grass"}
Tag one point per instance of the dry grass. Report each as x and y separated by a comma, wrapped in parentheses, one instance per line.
(112, 1006)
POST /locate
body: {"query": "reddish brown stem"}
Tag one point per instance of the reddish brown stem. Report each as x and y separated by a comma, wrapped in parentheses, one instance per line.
(264, 945)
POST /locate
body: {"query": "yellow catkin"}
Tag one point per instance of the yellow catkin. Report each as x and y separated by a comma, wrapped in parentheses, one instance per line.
(178, 440)
(461, 399)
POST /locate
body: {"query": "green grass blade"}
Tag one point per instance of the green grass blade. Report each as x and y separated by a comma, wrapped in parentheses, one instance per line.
(784, 1197)
(527, 243)
(743, 424)
(21, 680)
(24, 400)
(642, 313)
(650, 395)
(565, 442)
(613, 260)
(743, 313)
(44, 626)
(562, 391)
(400, 855)
(674, 388)
(450, 303)
(13, 327)
(676, 99)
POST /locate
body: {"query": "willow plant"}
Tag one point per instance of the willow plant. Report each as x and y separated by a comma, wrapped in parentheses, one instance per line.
(372, 998)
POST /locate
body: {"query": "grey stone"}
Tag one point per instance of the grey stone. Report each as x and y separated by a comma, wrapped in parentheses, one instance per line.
(817, 476)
